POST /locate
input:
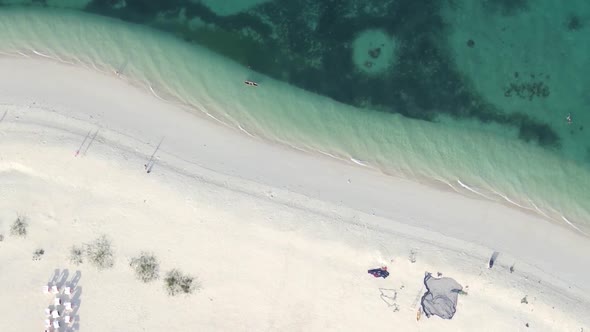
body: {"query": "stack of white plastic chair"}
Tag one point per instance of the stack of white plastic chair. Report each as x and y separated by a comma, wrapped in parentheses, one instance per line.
(67, 319)
(68, 291)
(54, 289)
(55, 314)
(56, 324)
(68, 306)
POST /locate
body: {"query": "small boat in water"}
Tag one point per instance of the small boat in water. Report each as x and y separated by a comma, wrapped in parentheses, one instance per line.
(250, 83)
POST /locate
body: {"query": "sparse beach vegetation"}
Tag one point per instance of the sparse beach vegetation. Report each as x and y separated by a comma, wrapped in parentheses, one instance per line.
(146, 267)
(178, 283)
(76, 255)
(100, 254)
(19, 227)
(38, 254)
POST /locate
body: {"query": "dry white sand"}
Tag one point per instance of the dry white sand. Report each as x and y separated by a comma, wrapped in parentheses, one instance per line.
(279, 240)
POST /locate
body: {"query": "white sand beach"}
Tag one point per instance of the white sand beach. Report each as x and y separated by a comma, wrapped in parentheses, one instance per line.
(279, 240)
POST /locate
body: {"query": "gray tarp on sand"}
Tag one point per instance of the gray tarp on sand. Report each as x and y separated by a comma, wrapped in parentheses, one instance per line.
(440, 298)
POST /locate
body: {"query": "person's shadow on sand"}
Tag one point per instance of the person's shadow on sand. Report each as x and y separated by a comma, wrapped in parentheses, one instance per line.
(63, 278)
(76, 302)
(53, 280)
(74, 282)
(76, 299)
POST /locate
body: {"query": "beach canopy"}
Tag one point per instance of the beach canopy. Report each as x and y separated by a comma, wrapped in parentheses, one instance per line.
(441, 295)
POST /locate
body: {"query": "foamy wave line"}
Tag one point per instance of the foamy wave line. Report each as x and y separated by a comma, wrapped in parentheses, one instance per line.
(56, 57)
(291, 145)
(536, 208)
(214, 118)
(194, 107)
(365, 164)
(198, 109)
(358, 162)
(66, 61)
(473, 190)
(446, 182)
(191, 107)
(245, 131)
(574, 226)
(80, 62)
(43, 55)
(154, 92)
(511, 201)
(354, 160)
(178, 100)
(539, 210)
(329, 154)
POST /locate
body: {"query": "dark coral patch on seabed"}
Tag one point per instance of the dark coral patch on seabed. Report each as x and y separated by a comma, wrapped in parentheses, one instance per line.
(506, 7)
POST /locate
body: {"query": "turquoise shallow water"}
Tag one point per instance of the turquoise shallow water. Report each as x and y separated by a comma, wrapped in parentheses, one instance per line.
(526, 156)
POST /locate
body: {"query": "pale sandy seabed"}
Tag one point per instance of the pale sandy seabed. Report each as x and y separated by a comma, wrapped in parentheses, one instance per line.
(291, 256)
